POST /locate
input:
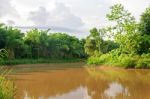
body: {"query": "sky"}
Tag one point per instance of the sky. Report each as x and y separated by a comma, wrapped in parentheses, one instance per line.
(76, 17)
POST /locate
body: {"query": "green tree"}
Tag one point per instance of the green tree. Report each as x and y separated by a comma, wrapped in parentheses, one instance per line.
(63, 45)
(125, 30)
(2, 36)
(93, 42)
(43, 38)
(32, 39)
(90, 46)
(14, 38)
(144, 29)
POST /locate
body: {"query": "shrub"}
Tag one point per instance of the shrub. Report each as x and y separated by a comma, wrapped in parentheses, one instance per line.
(115, 58)
(103, 59)
(93, 60)
(143, 63)
(127, 61)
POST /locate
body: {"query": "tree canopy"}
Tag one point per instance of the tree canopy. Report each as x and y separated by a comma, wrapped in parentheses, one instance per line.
(40, 44)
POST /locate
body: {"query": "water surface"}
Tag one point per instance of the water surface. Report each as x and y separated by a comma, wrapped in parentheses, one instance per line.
(55, 82)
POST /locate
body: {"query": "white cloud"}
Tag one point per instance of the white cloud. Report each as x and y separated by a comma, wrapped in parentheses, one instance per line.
(8, 12)
(136, 7)
(10, 23)
(39, 17)
(6, 8)
(60, 16)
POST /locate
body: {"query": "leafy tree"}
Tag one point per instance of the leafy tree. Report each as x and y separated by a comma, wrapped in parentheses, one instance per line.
(93, 42)
(13, 40)
(95, 35)
(144, 28)
(145, 22)
(44, 43)
(108, 46)
(63, 45)
(125, 30)
(32, 39)
(2, 36)
(90, 46)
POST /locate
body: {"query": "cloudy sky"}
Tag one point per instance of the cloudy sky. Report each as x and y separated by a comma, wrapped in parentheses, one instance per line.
(73, 16)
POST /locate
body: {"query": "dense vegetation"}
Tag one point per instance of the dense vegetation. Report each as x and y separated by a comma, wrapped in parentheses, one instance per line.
(130, 40)
(39, 45)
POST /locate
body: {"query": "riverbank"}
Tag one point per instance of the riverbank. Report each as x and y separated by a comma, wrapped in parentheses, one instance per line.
(39, 61)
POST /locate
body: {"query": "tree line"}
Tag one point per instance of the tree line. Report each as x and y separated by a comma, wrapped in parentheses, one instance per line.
(35, 44)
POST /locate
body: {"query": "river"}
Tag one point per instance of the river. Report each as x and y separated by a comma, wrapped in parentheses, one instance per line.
(70, 81)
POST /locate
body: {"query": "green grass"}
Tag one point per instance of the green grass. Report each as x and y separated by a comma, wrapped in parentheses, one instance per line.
(37, 61)
(7, 88)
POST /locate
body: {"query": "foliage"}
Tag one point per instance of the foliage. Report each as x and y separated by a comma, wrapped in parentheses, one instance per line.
(144, 62)
(90, 46)
(125, 29)
(145, 22)
(3, 54)
(133, 41)
(46, 45)
(7, 88)
(124, 60)
(65, 46)
(95, 43)
(144, 28)
(38, 44)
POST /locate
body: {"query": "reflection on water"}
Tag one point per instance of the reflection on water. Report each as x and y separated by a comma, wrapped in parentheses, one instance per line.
(80, 93)
(80, 83)
(115, 89)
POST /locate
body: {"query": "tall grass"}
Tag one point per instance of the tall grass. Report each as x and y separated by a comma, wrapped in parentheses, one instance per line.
(7, 88)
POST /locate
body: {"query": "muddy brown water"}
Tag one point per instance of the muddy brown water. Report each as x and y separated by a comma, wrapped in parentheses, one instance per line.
(69, 81)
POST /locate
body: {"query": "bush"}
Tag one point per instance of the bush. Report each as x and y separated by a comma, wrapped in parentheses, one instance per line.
(146, 56)
(103, 59)
(143, 64)
(124, 60)
(127, 61)
(144, 61)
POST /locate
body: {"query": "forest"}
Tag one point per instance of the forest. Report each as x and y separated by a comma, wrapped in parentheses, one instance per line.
(39, 44)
